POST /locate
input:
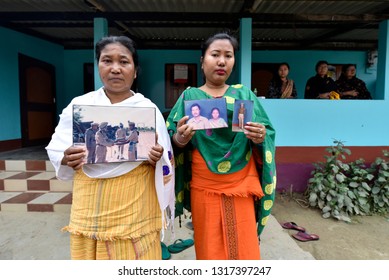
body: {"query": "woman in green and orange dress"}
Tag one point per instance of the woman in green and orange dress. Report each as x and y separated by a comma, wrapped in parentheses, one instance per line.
(226, 179)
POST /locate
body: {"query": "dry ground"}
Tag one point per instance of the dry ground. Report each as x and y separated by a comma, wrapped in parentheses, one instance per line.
(365, 238)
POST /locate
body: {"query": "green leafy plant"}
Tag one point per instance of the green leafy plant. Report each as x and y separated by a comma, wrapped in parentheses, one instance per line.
(380, 188)
(342, 189)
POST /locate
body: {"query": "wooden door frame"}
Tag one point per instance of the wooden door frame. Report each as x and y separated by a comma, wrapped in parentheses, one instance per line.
(24, 62)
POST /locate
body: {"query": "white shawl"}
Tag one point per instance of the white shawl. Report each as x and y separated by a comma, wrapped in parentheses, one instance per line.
(62, 139)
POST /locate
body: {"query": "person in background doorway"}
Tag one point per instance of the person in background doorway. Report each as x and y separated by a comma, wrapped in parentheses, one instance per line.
(320, 86)
(281, 86)
(349, 86)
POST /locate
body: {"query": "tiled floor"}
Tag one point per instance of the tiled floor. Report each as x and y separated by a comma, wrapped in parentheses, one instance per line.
(31, 185)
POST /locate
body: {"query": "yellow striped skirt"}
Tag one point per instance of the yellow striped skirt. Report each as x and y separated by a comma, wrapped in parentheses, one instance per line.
(115, 218)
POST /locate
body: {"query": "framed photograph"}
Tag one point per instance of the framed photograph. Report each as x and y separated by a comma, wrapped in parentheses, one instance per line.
(243, 113)
(114, 133)
(207, 113)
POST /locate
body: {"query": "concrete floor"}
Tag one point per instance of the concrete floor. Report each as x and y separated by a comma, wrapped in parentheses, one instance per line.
(38, 236)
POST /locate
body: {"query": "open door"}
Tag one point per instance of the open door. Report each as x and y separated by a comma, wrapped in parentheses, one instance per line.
(261, 75)
(37, 101)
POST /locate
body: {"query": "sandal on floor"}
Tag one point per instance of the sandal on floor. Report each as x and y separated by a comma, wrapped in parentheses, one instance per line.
(304, 236)
(180, 245)
(165, 252)
(292, 225)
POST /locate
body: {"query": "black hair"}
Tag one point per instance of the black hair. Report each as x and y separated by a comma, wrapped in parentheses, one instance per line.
(194, 105)
(123, 40)
(320, 63)
(219, 36)
(346, 66)
(215, 108)
(213, 38)
(344, 69)
(276, 76)
(283, 63)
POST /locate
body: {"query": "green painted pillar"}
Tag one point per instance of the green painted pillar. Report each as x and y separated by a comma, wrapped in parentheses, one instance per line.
(100, 30)
(382, 86)
(245, 52)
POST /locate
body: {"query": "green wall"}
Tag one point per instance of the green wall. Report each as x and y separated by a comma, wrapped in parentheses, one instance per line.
(14, 43)
(74, 61)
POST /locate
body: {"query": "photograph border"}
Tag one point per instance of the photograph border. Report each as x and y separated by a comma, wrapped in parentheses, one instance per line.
(206, 108)
(248, 114)
(96, 127)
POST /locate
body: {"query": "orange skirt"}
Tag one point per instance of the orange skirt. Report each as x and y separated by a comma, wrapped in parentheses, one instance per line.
(223, 214)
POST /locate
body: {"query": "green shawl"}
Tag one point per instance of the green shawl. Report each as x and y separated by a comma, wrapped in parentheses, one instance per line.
(232, 153)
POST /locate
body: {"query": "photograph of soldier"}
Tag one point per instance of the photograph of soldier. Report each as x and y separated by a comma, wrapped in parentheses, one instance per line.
(120, 137)
(90, 142)
(102, 142)
(132, 139)
(243, 113)
(121, 133)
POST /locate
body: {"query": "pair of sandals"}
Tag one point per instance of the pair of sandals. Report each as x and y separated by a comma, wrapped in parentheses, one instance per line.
(301, 235)
(178, 246)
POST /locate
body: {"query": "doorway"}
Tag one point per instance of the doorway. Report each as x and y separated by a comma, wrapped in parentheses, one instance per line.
(261, 75)
(37, 101)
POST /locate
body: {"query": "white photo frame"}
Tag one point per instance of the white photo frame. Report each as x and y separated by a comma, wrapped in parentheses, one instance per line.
(137, 127)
